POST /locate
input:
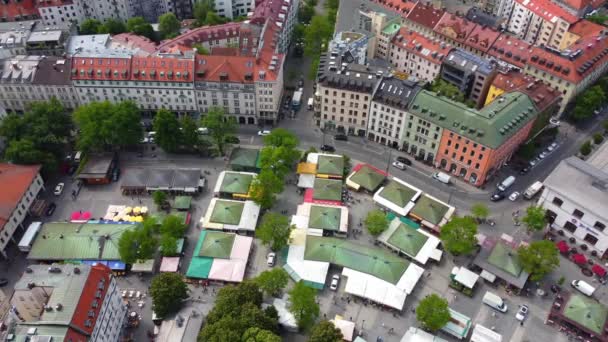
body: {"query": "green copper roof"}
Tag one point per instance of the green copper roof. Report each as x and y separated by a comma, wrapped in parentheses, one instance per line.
(586, 312)
(217, 245)
(505, 258)
(368, 178)
(200, 266)
(236, 183)
(407, 239)
(227, 212)
(330, 165)
(370, 260)
(391, 28)
(244, 159)
(182, 202)
(429, 210)
(327, 189)
(490, 126)
(322, 217)
(397, 193)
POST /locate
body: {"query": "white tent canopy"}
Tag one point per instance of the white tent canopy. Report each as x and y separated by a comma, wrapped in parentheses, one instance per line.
(306, 181)
(483, 334)
(465, 276)
(419, 335)
(286, 319)
(346, 327)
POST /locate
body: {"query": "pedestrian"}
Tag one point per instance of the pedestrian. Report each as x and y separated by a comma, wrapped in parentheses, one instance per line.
(521, 323)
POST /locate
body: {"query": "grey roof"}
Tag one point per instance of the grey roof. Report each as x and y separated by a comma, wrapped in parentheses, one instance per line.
(19, 69)
(396, 92)
(335, 72)
(599, 158)
(45, 36)
(480, 17)
(139, 178)
(464, 60)
(186, 178)
(87, 43)
(26, 25)
(96, 165)
(582, 183)
(53, 71)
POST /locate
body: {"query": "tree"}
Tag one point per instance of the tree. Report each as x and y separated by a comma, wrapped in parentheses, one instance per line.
(272, 281)
(305, 14)
(432, 312)
(535, 219)
(219, 126)
(189, 135)
(168, 25)
(112, 26)
(598, 18)
(317, 35)
(168, 290)
(265, 187)
(274, 231)
(173, 226)
(376, 222)
(303, 305)
(24, 152)
(598, 138)
(200, 49)
(138, 25)
(168, 245)
(159, 197)
(480, 211)
(201, 9)
(259, 335)
(278, 160)
(280, 137)
(539, 258)
(587, 102)
(166, 126)
(446, 89)
(89, 26)
(137, 244)
(332, 4)
(586, 148)
(458, 235)
(325, 331)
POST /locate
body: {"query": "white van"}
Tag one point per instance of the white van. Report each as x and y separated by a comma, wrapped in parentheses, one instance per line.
(77, 157)
(494, 301)
(506, 183)
(583, 287)
(310, 103)
(533, 190)
(442, 177)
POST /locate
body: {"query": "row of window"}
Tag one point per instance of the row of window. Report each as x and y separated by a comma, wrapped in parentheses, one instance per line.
(558, 202)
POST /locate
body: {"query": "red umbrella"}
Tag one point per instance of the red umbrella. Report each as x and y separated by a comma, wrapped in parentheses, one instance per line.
(86, 215)
(599, 270)
(75, 216)
(562, 246)
(579, 258)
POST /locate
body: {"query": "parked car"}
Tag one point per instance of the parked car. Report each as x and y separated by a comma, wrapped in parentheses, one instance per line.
(399, 165)
(583, 287)
(534, 161)
(543, 155)
(342, 137)
(522, 313)
(514, 196)
(51, 209)
(328, 148)
(270, 259)
(404, 161)
(552, 147)
(524, 170)
(335, 280)
(59, 189)
(554, 121)
(3, 282)
(263, 132)
(497, 196)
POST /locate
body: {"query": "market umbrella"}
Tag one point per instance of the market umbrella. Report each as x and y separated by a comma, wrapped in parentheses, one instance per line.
(136, 210)
(143, 210)
(562, 246)
(86, 215)
(128, 210)
(599, 270)
(579, 258)
(75, 216)
(139, 219)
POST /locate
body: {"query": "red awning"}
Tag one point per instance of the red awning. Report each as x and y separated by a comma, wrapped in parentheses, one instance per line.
(599, 270)
(562, 246)
(579, 258)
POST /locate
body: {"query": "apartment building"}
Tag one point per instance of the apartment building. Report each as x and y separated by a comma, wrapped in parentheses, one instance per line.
(381, 28)
(580, 8)
(27, 79)
(32, 37)
(472, 75)
(352, 43)
(423, 131)
(423, 18)
(484, 18)
(278, 18)
(80, 302)
(183, 9)
(242, 37)
(234, 8)
(418, 56)
(453, 29)
(54, 12)
(18, 10)
(389, 111)
(20, 187)
(575, 198)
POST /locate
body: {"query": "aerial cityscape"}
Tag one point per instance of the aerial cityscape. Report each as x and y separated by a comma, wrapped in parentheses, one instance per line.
(303, 170)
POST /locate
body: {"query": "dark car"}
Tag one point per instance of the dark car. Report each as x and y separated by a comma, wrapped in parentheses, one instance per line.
(524, 170)
(341, 137)
(3, 281)
(404, 161)
(115, 174)
(231, 139)
(51, 209)
(328, 148)
(497, 196)
(301, 83)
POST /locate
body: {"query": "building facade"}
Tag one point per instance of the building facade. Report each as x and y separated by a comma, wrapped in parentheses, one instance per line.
(21, 187)
(234, 8)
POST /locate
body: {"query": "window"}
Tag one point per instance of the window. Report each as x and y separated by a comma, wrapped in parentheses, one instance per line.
(592, 240)
(569, 226)
(578, 214)
(557, 201)
(599, 226)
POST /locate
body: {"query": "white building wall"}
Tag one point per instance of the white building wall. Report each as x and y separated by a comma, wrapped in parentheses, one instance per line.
(234, 8)
(18, 97)
(20, 212)
(55, 15)
(236, 99)
(105, 9)
(386, 123)
(111, 316)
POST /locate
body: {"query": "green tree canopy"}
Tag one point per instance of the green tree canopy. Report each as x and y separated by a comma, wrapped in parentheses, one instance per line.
(539, 258)
(432, 312)
(190, 136)
(279, 160)
(140, 26)
(272, 281)
(219, 126)
(256, 334)
(89, 26)
(274, 230)
(168, 245)
(587, 102)
(173, 225)
(112, 26)
(204, 13)
(448, 90)
(168, 136)
(200, 49)
(480, 210)
(317, 35)
(265, 187)
(279, 137)
(159, 197)
(25, 152)
(535, 219)
(458, 235)
(168, 290)
(305, 14)
(376, 222)
(586, 148)
(137, 244)
(325, 331)
(168, 25)
(302, 305)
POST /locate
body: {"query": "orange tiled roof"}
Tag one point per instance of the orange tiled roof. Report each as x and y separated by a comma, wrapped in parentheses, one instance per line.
(164, 69)
(51, 3)
(93, 68)
(86, 298)
(548, 10)
(432, 50)
(455, 27)
(15, 180)
(511, 80)
(237, 69)
(202, 34)
(482, 38)
(511, 50)
(425, 15)
(585, 28)
(399, 6)
(15, 8)
(581, 4)
(131, 40)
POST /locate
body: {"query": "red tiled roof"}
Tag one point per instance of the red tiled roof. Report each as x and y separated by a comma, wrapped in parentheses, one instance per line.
(425, 15)
(237, 69)
(581, 4)
(482, 38)
(511, 50)
(548, 10)
(511, 80)
(584, 28)
(203, 34)
(51, 3)
(429, 49)
(455, 27)
(88, 68)
(399, 6)
(131, 40)
(16, 8)
(15, 180)
(163, 69)
(92, 292)
(540, 93)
